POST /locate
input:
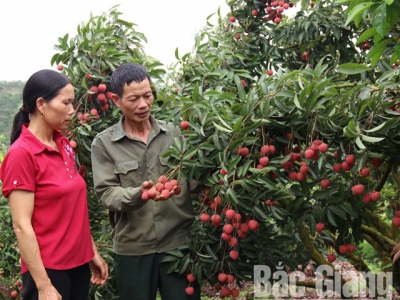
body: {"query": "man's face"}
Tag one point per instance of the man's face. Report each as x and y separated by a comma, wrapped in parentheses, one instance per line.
(135, 102)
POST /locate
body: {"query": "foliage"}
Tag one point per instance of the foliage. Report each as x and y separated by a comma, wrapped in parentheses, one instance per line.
(322, 89)
(10, 100)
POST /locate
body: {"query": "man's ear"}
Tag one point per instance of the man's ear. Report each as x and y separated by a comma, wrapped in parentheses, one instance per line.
(116, 99)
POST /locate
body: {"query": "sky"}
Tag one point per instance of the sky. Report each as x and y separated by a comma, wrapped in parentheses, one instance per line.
(30, 28)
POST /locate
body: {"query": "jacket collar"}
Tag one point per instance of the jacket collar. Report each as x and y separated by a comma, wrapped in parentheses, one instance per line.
(156, 125)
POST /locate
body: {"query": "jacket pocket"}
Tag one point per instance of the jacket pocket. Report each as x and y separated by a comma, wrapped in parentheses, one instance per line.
(163, 167)
(127, 172)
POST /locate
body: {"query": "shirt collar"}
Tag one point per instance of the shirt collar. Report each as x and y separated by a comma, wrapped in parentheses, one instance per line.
(36, 145)
(156, 125)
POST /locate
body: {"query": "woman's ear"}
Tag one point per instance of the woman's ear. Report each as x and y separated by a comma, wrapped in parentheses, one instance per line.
(40, 105)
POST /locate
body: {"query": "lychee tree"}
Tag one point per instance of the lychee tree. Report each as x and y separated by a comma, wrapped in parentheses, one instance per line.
(324, 95)
(290, 129)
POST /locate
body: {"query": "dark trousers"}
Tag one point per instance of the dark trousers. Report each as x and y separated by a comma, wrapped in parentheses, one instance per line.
(139, 278)
(72, 284)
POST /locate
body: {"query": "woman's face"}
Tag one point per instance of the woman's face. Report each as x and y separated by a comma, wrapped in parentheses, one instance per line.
(58, 113)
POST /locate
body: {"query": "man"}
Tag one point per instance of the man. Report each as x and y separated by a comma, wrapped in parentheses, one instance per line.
(125, 157)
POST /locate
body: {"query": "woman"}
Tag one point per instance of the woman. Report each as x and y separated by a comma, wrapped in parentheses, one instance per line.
(47, 196)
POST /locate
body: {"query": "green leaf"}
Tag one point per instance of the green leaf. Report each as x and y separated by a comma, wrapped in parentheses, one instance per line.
(232, 196)
(240, 89)
(370, 32)
(376, 128)
(220, 128)
(176, 253)
(337, 211)
(352, 68)
(376, 51)
(358, 9)
(384, 17)
(372, 139)
(331, 218)
(360, 144)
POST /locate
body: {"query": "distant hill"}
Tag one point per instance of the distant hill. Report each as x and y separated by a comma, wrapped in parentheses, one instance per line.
(10, 101)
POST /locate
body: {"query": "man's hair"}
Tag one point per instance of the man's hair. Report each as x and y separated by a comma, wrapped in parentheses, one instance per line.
(127, 73)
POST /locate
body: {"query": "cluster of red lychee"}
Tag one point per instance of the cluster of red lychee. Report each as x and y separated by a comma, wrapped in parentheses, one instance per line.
(223, 285)
(396, 219)
(312, 153)
(93, 114)
(275, 10)
(101, 95)
(233, 228)
(190, 290)
(343, 249)
(349, 248)
(163, 190)
(14, 293)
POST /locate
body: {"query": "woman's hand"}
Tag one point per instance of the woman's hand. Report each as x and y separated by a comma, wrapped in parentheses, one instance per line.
(99, 269)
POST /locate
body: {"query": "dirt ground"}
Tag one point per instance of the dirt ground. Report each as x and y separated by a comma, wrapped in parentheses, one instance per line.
(355, 285)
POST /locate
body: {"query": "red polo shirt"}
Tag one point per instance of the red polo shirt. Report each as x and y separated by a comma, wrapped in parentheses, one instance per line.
(60, 216)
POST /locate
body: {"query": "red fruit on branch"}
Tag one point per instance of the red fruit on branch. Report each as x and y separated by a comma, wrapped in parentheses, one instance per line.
(204, 217)
(230, 278)
(184, 125)
(265, 150)
(320, 226)
(216, 220)
(233, 254)
(323, 148)
(346, 166)
(376, 162)
(358, 189)
(223, 172)
(253, 225)
(264, 161)
(230, 214)
(102, 87)
(235, 292)
(189, 290)
(367, 198)
(375, 196)
(222, 277)
(351, 248)
(350, 159)
(364, 172)
(396, 221)
(337, 167)
(331, 257)
(304, 169)
(304, 56)
(300, 177)
(309, 153)
(343, 249)
(232, 19)
(190, 277)
(325, 183)
(228, 228)
(244, 151)
(94, 89)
